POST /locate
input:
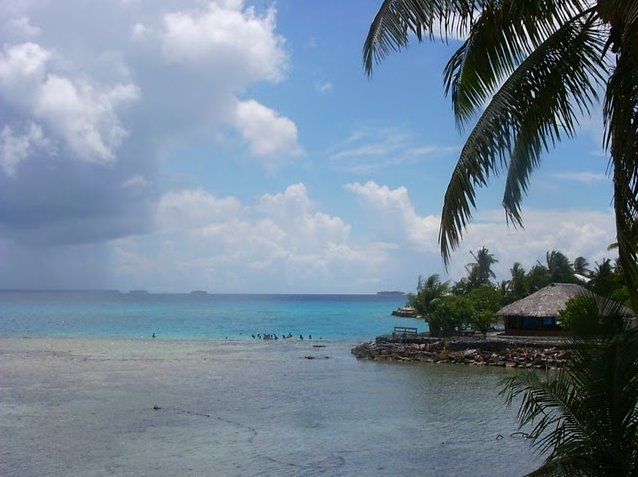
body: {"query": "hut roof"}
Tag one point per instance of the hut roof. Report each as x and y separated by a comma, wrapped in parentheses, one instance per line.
(546, 302)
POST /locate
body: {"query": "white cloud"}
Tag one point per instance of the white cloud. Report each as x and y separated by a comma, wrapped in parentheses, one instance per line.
(585, 177)
(428, 151)
(395, 215)
(22, 71)
(306, 227)
(228, 47)
(227, 37)
(323, 87)
(79, 111)
(85, 115)
(140, 31)
(573, 232)
(191, 209)
(266, 131)
(14, 148)
(283, 242)
(371, 148)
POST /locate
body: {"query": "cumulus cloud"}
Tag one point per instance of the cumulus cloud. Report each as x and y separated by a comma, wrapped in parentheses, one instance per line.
(16, 147)
(85, 116)
(267, 132)
(77, 111)
(574, 232)
(191, 209)
(228, 37)
(283, 241)
(395, 215)
(22, 71)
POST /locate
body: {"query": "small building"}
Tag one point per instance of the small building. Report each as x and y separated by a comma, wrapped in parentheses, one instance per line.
(537, 314)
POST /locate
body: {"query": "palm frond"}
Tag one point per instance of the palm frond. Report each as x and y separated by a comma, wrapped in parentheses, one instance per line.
(585, 416)
(533, 109)
(397, 19)
(497, 45)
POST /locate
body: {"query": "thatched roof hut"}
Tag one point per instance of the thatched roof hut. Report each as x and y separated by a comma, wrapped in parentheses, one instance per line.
(546, 302)
(537, 314)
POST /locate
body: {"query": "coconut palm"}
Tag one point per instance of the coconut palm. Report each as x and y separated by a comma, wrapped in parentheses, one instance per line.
(529, 69)
(560, 270)
(517, 286)
(428, 292)
(584, 417)
(581, 266)
(480, 271)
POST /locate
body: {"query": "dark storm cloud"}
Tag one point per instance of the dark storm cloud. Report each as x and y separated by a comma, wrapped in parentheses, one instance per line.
(94, 96)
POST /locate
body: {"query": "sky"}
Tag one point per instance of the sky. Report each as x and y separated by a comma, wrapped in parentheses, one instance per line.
(238, 147)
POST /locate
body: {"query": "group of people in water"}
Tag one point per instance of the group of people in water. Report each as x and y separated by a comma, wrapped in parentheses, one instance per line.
(267, 336)
(273, 336)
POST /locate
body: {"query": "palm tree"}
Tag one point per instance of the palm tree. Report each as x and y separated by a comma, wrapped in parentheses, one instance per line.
(480, 271)
(538, 277)
(517, 287)
(428, 292)
(529, 69)
(560, 270)
(585, 416)
(581, 266)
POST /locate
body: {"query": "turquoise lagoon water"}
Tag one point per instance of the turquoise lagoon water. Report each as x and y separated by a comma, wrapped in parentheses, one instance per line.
(242, 407)
(198, 316)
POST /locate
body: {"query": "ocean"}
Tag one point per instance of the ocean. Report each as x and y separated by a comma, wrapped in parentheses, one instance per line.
(198, 316)
(205, 398)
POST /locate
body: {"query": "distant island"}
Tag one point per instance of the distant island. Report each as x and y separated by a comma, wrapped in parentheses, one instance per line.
(199, 292)
(391, 293)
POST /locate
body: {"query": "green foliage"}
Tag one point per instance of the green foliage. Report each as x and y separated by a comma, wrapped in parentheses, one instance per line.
(450, 308)
(480, 271)
(581, 266)
(450, 315)
(590, 316)
(585, 416)
(485, 301)
(538, 277)
(428, 292)
(559, 268)
(483, 321)
(517, 287)
(609, 280)
(461, 287)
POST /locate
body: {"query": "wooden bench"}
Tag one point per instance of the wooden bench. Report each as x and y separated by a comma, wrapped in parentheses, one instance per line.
(405, 330)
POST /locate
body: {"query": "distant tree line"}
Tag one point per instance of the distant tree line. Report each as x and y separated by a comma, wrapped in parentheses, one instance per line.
(472, 302)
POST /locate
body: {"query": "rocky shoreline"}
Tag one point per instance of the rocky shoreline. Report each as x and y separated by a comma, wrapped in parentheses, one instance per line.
(493, 351)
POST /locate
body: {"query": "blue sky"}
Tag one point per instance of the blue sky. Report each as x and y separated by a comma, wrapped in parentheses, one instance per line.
(239, 147)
